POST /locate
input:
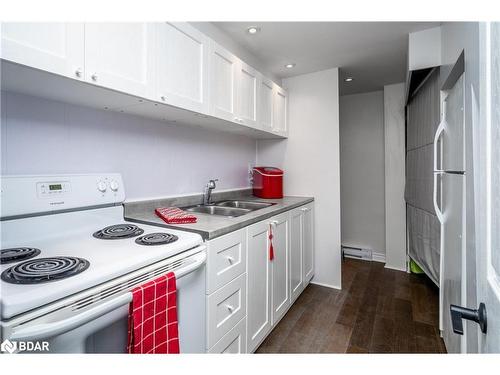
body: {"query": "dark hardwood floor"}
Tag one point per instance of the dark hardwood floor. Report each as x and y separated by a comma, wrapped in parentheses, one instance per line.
(378, 311)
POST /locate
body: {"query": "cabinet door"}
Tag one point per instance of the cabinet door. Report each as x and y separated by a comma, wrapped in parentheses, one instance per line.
(266, 100)
(233, 342)
(247, 97)
(280, 269)
(182, 66)
(223, 83)
(258, 284)
(280, 110)
(296, 245)
(226, 259)
(120, 56)
(53, 46)
(308, 240)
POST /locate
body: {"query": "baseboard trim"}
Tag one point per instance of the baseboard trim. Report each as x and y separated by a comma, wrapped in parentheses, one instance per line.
(395, 268)
(378, 257)
(325, 285)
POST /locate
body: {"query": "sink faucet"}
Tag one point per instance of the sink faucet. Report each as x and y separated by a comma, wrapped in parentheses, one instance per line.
(207, 194)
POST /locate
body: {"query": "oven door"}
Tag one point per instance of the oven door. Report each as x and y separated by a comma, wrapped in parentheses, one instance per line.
(101, 327)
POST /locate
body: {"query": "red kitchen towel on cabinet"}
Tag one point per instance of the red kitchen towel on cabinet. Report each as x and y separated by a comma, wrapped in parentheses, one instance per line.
(174, 215)
(153, 327)
(271, 249)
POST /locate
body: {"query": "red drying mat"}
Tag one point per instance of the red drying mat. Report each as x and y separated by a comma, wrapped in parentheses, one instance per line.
(174, 215)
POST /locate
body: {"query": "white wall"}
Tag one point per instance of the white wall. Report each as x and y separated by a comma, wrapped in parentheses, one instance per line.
(424, 49)
(310, 159)
(362, 190)
(156, 159)
(395, 206)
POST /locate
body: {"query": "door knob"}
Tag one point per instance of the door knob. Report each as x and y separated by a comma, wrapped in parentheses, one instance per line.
(458, 313)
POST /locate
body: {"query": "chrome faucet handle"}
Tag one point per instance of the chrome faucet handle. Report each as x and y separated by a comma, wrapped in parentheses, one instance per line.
(211, 183)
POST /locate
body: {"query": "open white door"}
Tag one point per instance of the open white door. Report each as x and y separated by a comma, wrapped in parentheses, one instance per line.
(488, 194)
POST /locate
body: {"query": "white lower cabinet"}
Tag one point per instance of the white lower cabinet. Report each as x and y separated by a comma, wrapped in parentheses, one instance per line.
(225, 308)
(248, 290)
(233, 342)
(308, 243)
(280, 270)
(296, 250)
(259, 284)
(227, 259)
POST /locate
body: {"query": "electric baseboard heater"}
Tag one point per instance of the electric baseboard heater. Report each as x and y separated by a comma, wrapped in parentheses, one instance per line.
(357, 253)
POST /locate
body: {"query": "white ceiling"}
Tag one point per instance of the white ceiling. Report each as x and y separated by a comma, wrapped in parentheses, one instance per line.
(373, 53)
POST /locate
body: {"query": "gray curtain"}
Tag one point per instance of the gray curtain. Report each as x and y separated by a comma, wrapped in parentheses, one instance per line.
(423, 116)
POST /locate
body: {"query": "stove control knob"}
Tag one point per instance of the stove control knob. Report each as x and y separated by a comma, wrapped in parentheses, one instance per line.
(101, 186)
(113, 185)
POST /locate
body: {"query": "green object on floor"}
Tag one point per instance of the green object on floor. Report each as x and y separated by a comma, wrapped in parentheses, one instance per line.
(415, 268)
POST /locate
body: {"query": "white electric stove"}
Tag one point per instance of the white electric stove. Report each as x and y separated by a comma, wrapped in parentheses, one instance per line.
(70, 260)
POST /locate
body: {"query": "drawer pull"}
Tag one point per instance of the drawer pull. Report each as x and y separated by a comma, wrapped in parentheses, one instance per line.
(230, 308)
(305, 209)
(230, 259)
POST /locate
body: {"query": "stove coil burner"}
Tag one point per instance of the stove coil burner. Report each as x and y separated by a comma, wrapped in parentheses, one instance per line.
(42, 270)
(17, 254)
(117, 232)
(156, 239)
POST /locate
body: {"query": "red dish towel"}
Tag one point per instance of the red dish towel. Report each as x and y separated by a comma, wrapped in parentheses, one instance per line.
(152, 319)
(174, 215)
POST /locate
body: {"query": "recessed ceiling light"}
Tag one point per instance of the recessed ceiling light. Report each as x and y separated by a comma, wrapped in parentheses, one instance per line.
(289, 66)
(348, 79)
(253, 30)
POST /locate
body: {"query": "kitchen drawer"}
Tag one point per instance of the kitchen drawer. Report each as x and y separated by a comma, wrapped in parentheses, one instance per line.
(225, 308)
(233, 342)
(226, 259)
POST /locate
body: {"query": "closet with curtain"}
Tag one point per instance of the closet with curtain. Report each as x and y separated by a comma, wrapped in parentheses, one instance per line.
(423, 227)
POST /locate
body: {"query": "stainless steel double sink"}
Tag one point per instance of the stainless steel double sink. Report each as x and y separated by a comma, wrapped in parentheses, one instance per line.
(229, 208)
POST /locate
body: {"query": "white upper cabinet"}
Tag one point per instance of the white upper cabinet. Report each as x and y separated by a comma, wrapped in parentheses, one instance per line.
(120, 56)
(280, 111)
(171, 63)
(52, 47)
(223, 83)
(182, 66)
(247, 95)
(266, 100)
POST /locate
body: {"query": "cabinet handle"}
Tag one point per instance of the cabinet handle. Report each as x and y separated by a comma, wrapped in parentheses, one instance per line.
(230, 259)
(164, 98)
(230, 308)
(94, 77)
(79, 72)
(274, 223)
(305, 209)
(236, 119)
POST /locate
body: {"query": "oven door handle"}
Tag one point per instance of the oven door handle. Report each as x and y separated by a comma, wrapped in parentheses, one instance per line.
(46, 330)
(197, 263)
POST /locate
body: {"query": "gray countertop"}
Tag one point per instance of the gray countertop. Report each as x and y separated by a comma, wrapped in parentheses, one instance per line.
(210, 226)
